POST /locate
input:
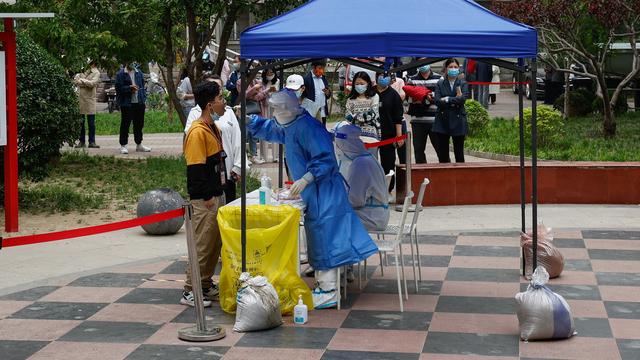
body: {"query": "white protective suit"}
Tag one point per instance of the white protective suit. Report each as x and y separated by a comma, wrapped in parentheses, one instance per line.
(365, 178)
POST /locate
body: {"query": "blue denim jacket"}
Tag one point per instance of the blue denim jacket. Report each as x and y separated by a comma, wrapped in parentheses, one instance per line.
(123, 88)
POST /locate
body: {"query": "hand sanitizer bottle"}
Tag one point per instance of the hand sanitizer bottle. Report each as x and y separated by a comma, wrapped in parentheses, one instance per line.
(265, 190)
(300, 312)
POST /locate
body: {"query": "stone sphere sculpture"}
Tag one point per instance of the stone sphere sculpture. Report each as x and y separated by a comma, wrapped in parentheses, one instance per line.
(158, 201)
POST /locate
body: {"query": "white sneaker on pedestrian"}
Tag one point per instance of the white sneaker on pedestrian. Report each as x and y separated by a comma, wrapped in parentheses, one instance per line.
(324, 299)
(142, 148)
(123, 150)
(257, 160)
(188, 299)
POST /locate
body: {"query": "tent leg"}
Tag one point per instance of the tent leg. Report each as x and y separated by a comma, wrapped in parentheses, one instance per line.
(243, 152)
(534, 162)
(280, 146)
(523, 200)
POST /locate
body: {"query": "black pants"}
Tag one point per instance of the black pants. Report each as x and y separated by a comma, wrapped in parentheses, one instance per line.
(388, 160)
(91, 120)
(129, 114)
(230, 191)
(421, 132)
(442, 147)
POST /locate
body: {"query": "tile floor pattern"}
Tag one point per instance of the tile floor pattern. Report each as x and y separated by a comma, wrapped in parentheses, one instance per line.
(464, 310)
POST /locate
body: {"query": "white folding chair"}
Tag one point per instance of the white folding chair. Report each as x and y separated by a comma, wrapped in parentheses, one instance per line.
(395, 246)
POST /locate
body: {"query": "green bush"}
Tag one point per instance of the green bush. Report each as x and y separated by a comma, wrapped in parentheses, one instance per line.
(549, 124)
(621, 107)
(47, 109)
(477, 116)
(580, 102)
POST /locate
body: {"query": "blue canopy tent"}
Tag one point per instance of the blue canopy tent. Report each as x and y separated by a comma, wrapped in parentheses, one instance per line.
(432, 29)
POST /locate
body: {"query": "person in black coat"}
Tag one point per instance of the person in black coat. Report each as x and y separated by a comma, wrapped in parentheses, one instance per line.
(317, 92)
(451, 118)
(484, 73)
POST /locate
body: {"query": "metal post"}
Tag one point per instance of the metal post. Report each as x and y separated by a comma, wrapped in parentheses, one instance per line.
(523, 195)
(11, 150)
(202, 330)
(243, 140)
(534, 162)
(280, 146)
(408, 144)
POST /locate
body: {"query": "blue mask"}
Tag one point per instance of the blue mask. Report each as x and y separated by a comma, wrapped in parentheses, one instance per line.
(215, 117)
(360, 89)
(424, 69)
(384, 81)
(453, 72)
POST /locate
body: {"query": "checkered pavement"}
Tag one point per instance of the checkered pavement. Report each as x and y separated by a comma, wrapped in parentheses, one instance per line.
(465, 309)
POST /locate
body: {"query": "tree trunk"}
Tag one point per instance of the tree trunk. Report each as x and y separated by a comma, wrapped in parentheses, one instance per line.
(227, 28)
(609, 120)
(567, 108)
(169, 59)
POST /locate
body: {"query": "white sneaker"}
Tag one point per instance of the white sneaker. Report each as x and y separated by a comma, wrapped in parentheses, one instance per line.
(257, 160)
(188, 299)
(324, 299)
(123, 150)
(142, 148)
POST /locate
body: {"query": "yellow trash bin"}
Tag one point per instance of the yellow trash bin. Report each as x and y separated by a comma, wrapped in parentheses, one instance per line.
(272, 251)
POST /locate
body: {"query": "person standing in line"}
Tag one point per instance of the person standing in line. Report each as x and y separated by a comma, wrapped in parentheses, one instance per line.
(423, 113)
(87, 83)
(131, 96)
(185, 93)
(483, 75)
(232, 82)
(206, 181)
(494, 88)
(451, 118)
(317, 92)
(363, 107)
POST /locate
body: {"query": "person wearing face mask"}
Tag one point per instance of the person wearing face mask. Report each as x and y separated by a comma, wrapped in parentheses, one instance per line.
(295, 83)
(317, 91)
(335, 234)
(363, 107)
(270, 85)
(232, 83)
(131, 96)
(365, 177)
(206, 181)
(423, 112)
(451, 119)
(391, 119)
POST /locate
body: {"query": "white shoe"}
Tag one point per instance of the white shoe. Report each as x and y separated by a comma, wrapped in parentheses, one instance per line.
(123, 150)
(188, 299)
(142, 148)
(324, 299)
(257, 160)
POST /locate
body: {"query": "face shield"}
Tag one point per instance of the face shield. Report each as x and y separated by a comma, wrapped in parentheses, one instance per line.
(348, 141)
(286, 106)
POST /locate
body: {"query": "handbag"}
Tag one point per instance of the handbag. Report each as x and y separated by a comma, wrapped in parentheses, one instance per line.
(253, 108)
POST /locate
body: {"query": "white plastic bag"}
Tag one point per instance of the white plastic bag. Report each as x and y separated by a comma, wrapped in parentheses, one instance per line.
(548, 255)
(543, 314)
(258, 305)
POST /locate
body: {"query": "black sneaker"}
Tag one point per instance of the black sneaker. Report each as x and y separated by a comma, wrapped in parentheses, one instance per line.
(94, 146)
(211, 293)
(188, 299)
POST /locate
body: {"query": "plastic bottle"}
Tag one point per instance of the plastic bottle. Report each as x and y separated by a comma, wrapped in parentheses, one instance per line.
(265, 190)
(300, 312)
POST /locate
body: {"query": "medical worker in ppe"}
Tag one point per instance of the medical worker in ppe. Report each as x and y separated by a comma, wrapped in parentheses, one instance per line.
(335, 234)
(365, 177)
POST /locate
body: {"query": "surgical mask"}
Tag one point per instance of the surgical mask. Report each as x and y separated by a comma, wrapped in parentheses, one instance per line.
(270, 77)
(453, 72)
(384, 81)
(214, 116)
(236, 66)
(424, 69)
(299, 93)
(360, 89)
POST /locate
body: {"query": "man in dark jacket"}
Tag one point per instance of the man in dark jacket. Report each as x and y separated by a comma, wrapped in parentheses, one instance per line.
(131, 96)
(231, 84)
(317, 92)
(423, 113)
(484, 73)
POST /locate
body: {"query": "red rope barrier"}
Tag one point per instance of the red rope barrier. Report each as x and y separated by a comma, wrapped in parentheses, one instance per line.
(385, 142)
(90, 230)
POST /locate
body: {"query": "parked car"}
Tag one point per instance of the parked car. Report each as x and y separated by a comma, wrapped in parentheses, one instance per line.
(575, 81)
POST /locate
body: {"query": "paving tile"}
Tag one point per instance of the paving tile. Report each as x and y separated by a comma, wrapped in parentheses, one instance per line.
(19, 350)
(86, 294)
(164, 281)
(28, 329)
(387, 320)
(172, 352)
(577, 265)
(611, 234)
(444, 250)
(629, 349)
(474, 323)
(485, 262)
(214, 313)
(625, 329)
(64, 350)
(507, 233)
(168, 335)
(111, 332)
(178, 267)
(428, 273)
(569, 243)
(59, 311)
(574, 254)
(606, 254)
(425, 260)
(503, 251)
(148, 313)
(288, 337)
(576, 292)
(32, 294)
(587, 308)
(436, 239)
(613, 244)
(622, 309)
(592, 327)
(8, 307)
(149, 268)
(489, 241)
(367, 355)
(616, 266)
(576, 347)
(244, 353)
(567, 234)
(327, 318)
(377, 286)
(476, 305)
(619, 293)
(467, 357)
(387, 341)
(111, 280)
(389, 302)
(471, 344)
(152, 296)
(618, 279)
(484, 275)
(482, 289)
(575, 278)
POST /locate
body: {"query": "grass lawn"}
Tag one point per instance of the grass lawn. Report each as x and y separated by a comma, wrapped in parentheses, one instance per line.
(154, 122)
(81, 183)
(583, 140)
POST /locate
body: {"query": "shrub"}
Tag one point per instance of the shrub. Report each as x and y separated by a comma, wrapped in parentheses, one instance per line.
(47, 108)
(477, 117)
(580, 102)
(621, 106)
(549, 124)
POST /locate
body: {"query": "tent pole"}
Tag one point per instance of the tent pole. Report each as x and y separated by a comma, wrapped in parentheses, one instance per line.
(523, 195)
(280, 146)
(534, 161)
(243, 152)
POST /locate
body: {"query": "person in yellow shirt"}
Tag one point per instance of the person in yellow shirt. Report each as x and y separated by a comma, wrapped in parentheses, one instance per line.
(206, 179)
